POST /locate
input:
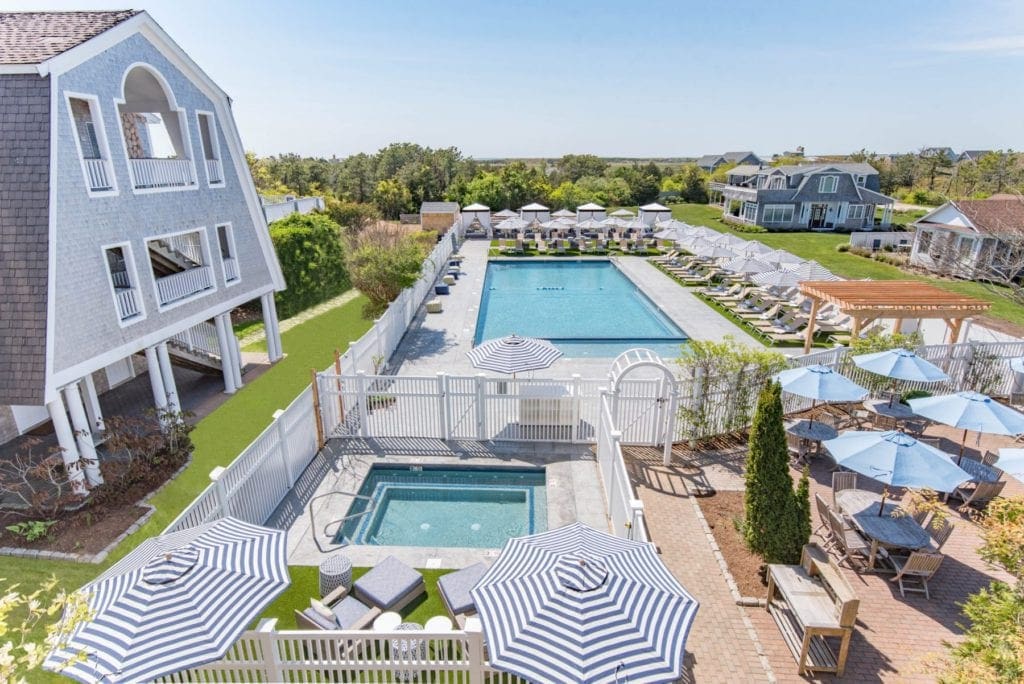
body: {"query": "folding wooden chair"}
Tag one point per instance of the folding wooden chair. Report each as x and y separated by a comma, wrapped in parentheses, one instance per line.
(920, 566)
(842, 480)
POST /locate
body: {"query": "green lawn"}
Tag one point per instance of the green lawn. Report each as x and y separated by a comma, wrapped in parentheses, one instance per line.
(822, 248)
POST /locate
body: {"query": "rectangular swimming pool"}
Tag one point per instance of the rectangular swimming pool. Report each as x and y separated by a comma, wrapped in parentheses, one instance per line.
(585, 308)
(440, 506)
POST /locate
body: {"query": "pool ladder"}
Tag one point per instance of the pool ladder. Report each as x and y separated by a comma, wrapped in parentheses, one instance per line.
(340, 521)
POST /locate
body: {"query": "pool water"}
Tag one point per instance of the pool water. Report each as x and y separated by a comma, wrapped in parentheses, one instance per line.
(585, 308)
(440, 506)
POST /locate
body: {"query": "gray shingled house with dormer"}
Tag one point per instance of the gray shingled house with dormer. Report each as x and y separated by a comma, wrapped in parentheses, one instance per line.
(803, 197)
(129, 223)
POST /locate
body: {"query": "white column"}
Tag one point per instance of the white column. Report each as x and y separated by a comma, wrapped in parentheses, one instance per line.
(167, 375)
(226, 357)
(92, 405)
(272, 327)
(236, 350)
(156, 381)
(83, 434)
(68, 447)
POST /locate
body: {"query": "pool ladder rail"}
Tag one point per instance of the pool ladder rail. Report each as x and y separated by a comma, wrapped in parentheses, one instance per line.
(339, 522)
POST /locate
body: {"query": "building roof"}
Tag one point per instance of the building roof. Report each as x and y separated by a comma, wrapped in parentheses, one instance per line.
(973, 155)
(746, 170)
(709, 160)
(534, 207)
(654, 206)
(34, 37)
(505, 213)
(439, 208)
(994, 216)
(590, 206)
(894, 298)
(476, 207)
(738, 156)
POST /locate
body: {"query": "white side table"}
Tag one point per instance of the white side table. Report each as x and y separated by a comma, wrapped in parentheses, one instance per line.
(387, 622)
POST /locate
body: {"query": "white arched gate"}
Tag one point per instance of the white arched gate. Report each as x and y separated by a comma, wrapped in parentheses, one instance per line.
(644, 409)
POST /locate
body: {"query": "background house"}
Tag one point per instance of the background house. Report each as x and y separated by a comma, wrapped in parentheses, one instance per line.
(972, 238)
(710, 162)
(438, 216)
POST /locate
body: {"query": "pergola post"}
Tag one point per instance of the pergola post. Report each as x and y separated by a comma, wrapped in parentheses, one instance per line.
(954, 329)
(809, 335)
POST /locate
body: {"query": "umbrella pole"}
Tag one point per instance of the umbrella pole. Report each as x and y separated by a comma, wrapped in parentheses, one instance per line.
(881, 505)
(814, 402)
(963, 442)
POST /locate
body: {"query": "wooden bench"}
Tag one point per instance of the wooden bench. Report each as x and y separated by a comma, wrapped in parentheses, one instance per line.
(810, 602)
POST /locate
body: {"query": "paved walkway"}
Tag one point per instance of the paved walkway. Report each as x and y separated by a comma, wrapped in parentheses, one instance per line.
(289, 323)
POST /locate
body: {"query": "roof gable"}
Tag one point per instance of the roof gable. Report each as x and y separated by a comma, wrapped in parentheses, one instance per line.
(994, 216)
(439, 208)
(34, 37)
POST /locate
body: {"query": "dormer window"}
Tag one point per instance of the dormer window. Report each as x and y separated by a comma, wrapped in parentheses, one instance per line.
(211, 149)
(777, 183)
(92, 145)
(155, 136)
(828, 184)
(860, 179)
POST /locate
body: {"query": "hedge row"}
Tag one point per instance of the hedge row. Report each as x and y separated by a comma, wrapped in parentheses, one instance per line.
(313, 261)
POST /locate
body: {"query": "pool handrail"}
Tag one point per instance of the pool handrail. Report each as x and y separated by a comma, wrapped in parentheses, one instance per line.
(339, 521)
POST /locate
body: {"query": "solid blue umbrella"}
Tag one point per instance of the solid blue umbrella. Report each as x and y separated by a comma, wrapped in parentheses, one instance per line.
(900, 364)
(820, 383)
(578, 605)
(1011, 462)
(1017, 364)
(970, 411)
(896, 459)
(177, 601)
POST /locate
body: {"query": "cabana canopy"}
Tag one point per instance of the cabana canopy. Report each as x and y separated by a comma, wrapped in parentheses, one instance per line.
(590, 206)
(868, 300)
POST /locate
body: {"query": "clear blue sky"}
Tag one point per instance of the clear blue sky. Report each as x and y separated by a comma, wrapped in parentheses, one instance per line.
(535, 78)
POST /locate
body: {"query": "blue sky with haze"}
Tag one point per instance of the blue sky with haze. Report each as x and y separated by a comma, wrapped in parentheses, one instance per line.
(533, 78)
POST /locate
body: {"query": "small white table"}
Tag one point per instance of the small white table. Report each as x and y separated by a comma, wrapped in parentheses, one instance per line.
(387, 622)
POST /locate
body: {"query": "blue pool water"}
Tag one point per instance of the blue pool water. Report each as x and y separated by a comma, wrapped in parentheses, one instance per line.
(447, 507)
(586, 308)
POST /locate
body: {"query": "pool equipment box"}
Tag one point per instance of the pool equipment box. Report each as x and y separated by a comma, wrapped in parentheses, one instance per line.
(546, 405)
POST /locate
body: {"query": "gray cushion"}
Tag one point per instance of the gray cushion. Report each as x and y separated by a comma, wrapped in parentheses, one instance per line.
(456, 585)
(348, 611)
(318, 619)
(389, 581)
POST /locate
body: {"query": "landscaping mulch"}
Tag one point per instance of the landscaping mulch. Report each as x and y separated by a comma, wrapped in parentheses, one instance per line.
(86, 531)
(724, 511)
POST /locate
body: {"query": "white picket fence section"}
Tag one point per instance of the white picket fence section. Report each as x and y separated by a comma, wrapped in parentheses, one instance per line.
(268, 655)
(625, 511)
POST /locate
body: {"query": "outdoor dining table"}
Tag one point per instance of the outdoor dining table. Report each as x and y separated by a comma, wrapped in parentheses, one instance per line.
(894, 410)
(812, 431)
(901, 531)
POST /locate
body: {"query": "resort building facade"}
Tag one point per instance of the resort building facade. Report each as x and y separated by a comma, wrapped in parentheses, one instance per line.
(805, 196)
(972, 238)
(129, 222)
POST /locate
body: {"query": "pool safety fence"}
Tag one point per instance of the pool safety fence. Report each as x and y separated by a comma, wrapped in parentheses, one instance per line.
(267, 654)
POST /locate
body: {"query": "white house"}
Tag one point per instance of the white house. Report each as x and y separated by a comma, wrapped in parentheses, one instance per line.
(654, 212)
(476, 217)
(535, 212)
(971, 238)
(590, 211)
(128, 220)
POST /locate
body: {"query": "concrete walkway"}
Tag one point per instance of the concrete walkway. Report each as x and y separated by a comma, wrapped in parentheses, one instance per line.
(289, 323)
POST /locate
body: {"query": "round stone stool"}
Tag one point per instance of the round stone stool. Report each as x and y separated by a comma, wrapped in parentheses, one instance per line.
(335, 572)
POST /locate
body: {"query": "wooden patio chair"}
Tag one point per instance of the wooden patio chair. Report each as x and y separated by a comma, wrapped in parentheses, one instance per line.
(842, 480)
(979, 496)
(919, 566)
(823, 530)
(989, 458)
(847, 541)
(940, 531)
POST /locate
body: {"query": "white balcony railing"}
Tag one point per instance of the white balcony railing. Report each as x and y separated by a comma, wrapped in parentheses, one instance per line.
(184, 284)
(98, 173)
(200, 337)
(214, 173)
(121, 280)
(230, 269)
(162, 173)
(127, 303)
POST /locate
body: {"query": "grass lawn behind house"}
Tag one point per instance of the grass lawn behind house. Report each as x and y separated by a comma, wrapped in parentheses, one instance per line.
(822, 248)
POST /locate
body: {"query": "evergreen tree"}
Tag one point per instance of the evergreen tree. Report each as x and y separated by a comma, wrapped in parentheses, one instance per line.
(803, 514)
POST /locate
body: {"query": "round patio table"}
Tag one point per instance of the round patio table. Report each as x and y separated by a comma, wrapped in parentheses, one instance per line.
(896, 410)
(815, 431)
(900, 531)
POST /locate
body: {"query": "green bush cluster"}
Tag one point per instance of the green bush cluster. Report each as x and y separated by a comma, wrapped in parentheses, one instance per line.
(313, 261)
(747, 228)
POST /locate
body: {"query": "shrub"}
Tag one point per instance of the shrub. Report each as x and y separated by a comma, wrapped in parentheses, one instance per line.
(843, 247)
(747, 228)
(383, 260)
(312, 259)
(351, 216)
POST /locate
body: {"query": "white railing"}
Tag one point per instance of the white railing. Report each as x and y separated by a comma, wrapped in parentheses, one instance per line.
(184, 284)
(625, 511)
(268, 655)
(120, 279)
(200, 337)
(127, 303)
(230, 269)
(274, 211)
(189, 245)
(214, 172)
(162, 173)
(99, 175)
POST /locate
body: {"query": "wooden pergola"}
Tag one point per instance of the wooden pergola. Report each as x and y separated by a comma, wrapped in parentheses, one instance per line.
(869, 300)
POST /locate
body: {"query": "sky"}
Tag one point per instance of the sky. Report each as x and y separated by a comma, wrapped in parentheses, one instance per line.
(535, 78)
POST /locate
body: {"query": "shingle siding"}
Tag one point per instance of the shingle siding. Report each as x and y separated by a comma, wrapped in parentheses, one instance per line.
(24, 234)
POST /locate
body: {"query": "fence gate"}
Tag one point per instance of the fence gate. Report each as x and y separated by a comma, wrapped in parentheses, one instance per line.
(644, 409)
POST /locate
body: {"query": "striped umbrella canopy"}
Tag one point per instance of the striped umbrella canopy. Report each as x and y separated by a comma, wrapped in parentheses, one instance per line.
(778, 278)
(970, 411)
(513, 354)
(177, 601)
(709, 250)
(592, 224)
(578, 605)
(743, 264)
(622, 212)
(613, 222)
(900, 364)
(673, 233)
(754, 248)
(727, 240)
(670, 223)
(782, 257)
(810, 270)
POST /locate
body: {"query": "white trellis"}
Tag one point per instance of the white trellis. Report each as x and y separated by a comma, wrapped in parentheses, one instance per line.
(655, 409)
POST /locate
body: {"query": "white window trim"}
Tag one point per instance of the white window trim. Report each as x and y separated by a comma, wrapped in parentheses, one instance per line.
(859, 208)
(182, 121)
(834, 181)
(234, 253)
(214, 143)
(784, 208)
(129, 258)
(860, 180)
(204, 239)
(100, 129)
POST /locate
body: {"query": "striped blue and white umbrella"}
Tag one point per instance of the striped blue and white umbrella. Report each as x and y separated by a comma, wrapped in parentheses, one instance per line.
(578, 605)
(513, 354)
(177, 601)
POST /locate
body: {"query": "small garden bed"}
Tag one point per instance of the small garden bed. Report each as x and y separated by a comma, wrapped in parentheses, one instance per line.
(86, 531)
(724, 514)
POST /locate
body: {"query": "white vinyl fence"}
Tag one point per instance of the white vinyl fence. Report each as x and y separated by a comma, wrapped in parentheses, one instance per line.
(625, 510)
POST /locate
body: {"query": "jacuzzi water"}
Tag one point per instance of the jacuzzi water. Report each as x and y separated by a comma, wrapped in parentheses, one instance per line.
(446, 507)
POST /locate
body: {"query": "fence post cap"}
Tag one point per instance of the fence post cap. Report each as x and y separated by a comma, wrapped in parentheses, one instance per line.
(267, 625)
(277, 414)
(637, 505)
(360, 372)
(217, 472)
(616, 434)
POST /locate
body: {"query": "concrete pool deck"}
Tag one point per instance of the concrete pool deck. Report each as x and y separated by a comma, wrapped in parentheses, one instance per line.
(439, 342)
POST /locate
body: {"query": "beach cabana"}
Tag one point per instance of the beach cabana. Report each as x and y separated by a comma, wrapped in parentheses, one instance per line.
(590, 211)
(477, 217)
(565, 214)
(654, 212)
(505, 214)
(622, 213)
(535, 212)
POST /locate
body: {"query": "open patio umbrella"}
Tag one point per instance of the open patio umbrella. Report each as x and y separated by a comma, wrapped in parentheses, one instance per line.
(970, 411)
(621, 213)
(777, 278)
(578, 605)
(810, 270)
(1017, 365)
(1011, 462)
(703, 248)
(748, 265)
(895, 459)
(177, 601)
(513, 354)
(754, 248)
(728, 240)
(819, 383)
(671, 233)
(782, 257)
(592, 224)
(900, 364)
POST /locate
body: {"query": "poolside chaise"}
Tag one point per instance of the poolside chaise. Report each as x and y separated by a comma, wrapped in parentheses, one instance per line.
(454, 589)
(390, 585)
(346, 612)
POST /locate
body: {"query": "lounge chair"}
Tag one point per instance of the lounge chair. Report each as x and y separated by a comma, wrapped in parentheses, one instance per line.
(454, 589)
(664, 258)
(390, 585)
(918, 565)
(542, 247)
(347, 612)
(773, 315)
